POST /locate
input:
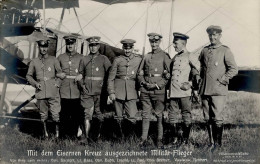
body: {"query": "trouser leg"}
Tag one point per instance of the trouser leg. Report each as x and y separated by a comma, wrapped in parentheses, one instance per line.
(146, 114)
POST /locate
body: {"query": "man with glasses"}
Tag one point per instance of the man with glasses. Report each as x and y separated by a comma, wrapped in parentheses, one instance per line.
(218, 66)
(153, 77)
(69, 90)
(47, 69)
(182, 72)
(122, 84)
(93, 68)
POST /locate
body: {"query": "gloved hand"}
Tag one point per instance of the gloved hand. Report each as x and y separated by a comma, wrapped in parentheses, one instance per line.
(185, 86)
(84, 89)
(166, 75)
(112, 97)
(38, 86)
(78, 77)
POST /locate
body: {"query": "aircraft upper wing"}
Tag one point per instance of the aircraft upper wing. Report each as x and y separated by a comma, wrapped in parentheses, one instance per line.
(28, 4)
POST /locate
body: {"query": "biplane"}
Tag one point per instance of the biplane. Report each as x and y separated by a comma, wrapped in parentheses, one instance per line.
(24, 21)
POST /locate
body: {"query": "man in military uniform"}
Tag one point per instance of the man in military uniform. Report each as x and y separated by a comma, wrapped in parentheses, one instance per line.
(93, 69)
(46, 68)
(217, 68)
(69, 91)
(152, 78)
(122, 83)
(182, 70)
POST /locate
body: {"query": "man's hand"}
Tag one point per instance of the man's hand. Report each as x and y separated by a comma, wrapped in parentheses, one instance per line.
(197, 79)
(166, 75)
(38, 86)
(185, 86)
(78, 77)
(112, 97)
(150, 86)
(61, 75)
(84, 89)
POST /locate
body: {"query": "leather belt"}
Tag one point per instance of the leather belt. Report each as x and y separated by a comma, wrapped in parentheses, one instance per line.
(124, 78)
(94, 78)
(154, 75)
(45, 79)
(70, 77)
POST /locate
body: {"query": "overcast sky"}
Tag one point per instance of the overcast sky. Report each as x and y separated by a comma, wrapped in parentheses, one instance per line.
(238, 18)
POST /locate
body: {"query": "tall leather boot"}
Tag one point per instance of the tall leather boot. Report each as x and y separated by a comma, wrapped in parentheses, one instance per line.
(85, 131)
(160, 133)
(219, 134)
(145, 129)
(210, 133)
(99, 127)
(174, 135)
(121, 134)
(57, 131)
(186, 133)
(45, 133)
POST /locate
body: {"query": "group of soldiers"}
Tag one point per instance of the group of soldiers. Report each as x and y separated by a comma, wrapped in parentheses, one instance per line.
(73, 87)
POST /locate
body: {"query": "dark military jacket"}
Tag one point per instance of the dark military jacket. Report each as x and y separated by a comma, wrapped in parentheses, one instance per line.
(152, 70)
(217, 67)
(122, 77)
(93, 68)
(182, 70)
(69, 63)
(45, 68)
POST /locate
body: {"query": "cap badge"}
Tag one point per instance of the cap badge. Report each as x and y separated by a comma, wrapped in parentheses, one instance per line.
(155, 69)
(97, 69)
(49, 69)
(76, 70)
(216, 64)
(133, 72)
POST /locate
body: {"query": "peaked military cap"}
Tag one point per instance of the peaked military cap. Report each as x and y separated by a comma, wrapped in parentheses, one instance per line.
(127, 43)
(93, 40)
(70, 39)
(43, 42)
(154, 36)
(212, 28)
(178, 35)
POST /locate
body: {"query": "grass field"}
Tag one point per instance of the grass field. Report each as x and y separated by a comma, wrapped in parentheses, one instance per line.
(240, 143)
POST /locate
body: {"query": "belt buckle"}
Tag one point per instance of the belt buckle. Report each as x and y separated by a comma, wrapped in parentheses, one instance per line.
(126, 78)
(45, 78)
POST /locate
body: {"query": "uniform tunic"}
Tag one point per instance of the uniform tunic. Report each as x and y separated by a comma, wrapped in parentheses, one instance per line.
(217, 67)
(182, 70)
(45, 68)
(93, 68)
(122, 82)
(152, 71)
(70, 66)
